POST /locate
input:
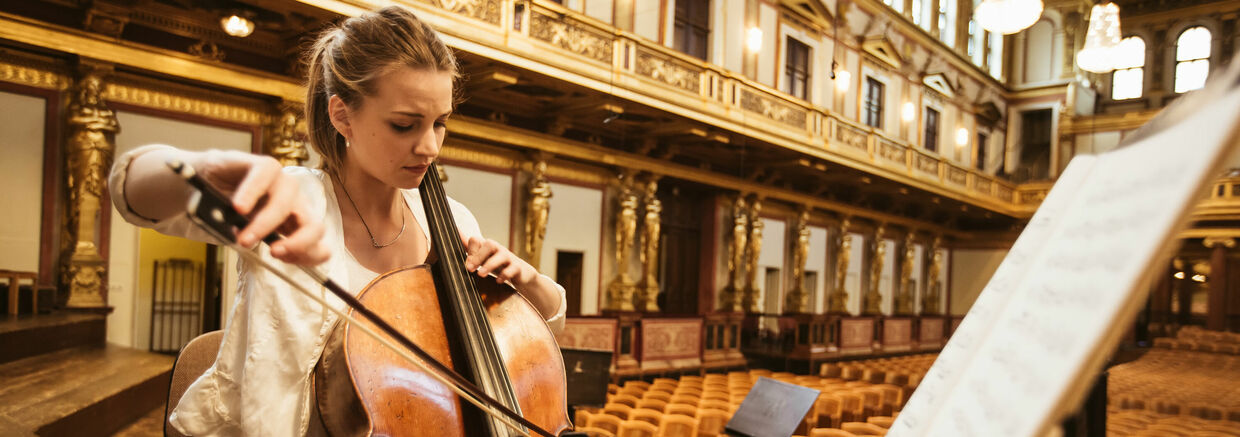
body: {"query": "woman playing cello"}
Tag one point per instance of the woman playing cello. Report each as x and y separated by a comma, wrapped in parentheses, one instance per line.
(380, 89)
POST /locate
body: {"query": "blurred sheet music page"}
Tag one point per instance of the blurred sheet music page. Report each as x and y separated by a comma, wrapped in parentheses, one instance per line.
(1042, 328)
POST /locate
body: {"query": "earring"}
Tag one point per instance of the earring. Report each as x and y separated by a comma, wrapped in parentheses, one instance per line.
(346, 144)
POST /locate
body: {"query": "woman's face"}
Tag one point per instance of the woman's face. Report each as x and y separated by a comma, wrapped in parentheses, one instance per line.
(396, 133)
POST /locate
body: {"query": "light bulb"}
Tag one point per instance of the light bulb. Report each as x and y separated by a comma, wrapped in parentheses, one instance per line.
(962, 137)
(753, 39)
(909, 112)
(237, 26)
(1008, 16)
(841, 80)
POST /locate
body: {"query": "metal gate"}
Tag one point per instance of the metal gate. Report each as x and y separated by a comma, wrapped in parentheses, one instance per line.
(177, 295)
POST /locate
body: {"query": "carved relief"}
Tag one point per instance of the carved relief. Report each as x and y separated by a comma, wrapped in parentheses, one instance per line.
(485, 10)
(571, 37)
(729, 297)
(749, 298)
(620, 291)
(649, 254)
(12, 70)
(537, 210)
(983, 185)
(288, 139)
(1003, 193)
(872, 300)
(891, 152)
(850, 136)
(668, 71)
(148, 97)
(772, 109)
(956, 176)
(838, 299)
(930, 304)
(796, 301)
(926, 165)
(91, 143)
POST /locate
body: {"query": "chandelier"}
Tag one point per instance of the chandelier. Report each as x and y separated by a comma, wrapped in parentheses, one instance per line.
(1008, 16)
(1101, 40)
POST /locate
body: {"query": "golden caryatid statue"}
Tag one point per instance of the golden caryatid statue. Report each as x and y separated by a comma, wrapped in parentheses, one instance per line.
(796, 301)
(648, 290)
(873, 299)
(729, 297)
(537, 210)
(620, 291)
(287, 142)
(904, 294)
(930, 304)
(90, 145)
(749, 298)
(837, 301)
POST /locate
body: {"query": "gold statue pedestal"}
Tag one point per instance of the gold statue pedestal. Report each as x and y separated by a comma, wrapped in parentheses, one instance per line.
(620, 295)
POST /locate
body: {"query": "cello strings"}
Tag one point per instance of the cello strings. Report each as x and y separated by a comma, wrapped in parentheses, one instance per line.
(254, 258)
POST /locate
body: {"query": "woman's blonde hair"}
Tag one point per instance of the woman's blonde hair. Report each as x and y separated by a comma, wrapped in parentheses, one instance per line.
(346, 60)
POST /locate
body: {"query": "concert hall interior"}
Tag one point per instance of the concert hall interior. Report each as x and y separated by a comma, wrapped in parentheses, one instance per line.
(814, 191)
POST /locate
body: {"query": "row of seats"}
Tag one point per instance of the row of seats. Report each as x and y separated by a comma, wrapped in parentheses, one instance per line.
(1145, 423)
(860, 401)
(1196, 387)
(1194, 338)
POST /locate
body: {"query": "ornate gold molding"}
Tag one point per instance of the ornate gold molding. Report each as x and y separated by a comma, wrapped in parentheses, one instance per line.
(167, 100)
(469, 152)
(16, 71)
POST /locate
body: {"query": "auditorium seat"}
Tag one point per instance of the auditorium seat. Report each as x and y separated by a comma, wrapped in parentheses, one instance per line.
(830, 432)
(883, 421)
(863, 428)
(681, 409)
(711, 422)
(595, 432)
(678, 426)
(649, 416)
(619, 410)
(624, 399)
(658, 395)
(606, 422)
(637, 428)
(652, 404)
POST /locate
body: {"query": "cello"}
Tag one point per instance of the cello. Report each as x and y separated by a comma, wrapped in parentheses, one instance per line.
(471, 340)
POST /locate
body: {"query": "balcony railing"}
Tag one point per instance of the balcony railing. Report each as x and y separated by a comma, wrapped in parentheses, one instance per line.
(611, 60)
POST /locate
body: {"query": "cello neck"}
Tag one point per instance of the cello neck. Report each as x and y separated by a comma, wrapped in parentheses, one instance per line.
(465, 316)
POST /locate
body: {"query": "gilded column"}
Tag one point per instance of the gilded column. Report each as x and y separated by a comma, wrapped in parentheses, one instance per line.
(537, 210)
(649, 254)
(796, 299)
(620, 291)
(288, 139)
(934, 287)
(1216, 299)
(872, 301)
(91, 143)
(837, 301)
(749, 299)
(738, 237)
(904, 293)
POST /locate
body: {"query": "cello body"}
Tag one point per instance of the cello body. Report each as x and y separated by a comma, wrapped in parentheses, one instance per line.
(363, 388)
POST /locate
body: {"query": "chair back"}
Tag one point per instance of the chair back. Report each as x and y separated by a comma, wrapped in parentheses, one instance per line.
(194, 360)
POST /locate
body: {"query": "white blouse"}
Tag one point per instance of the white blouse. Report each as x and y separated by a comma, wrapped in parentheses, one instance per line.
(260, 382)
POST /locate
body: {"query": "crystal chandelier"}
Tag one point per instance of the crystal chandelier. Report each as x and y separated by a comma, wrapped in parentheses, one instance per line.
(1008, 16)
(1101, 40)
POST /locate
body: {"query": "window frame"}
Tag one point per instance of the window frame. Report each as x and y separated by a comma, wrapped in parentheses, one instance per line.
(1141, 68)
(1175, 56)
(930, 134)
(688, 23)
(872, 107)
(790, 71)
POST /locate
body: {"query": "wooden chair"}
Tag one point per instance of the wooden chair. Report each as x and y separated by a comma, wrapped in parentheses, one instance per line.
(714, 405)
(829, 409)
(684, 399)
(886, 421)
(606, 422)
(595, 432)
(681, 409)
(711, 422)
(637, 428)
(652, 404)
(619, 410)
(625, 399)
(582, 417)
(863, 428)
(830, 432)
(648, 416)
(678, 426)
(658, 395)
(195, 358)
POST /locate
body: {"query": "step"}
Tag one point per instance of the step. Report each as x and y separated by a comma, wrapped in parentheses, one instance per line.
(82, 391)
(27, 335)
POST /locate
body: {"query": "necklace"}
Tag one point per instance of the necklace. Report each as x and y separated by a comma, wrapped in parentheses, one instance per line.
(373, 242)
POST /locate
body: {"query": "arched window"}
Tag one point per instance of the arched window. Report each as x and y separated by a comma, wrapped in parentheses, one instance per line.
(1129, 78)
(1192, 59)
(898, 5)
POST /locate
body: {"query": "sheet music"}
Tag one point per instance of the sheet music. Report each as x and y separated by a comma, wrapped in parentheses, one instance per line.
(993, 299)
(1028, 347)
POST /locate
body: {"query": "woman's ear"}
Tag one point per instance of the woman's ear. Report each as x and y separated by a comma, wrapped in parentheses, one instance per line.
(338, 111)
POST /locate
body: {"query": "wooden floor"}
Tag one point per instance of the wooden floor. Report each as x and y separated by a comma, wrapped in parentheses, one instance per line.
(150, 425)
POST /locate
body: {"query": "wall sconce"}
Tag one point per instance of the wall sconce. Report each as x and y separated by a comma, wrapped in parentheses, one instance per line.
(237, 25)
(1199, 278)
(1179, 275)
(753, 39)
(842, 78)
(962, 137)
(909, 112)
